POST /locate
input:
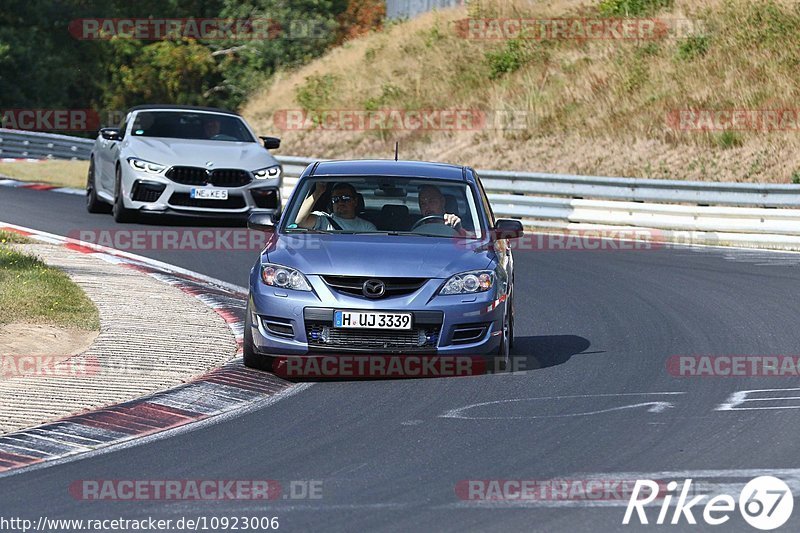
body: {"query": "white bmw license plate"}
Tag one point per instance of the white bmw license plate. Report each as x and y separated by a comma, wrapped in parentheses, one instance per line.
(369, 320)
(209, 194)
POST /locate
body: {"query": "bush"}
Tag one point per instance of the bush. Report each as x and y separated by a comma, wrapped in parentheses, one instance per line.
(317, 92)
(729, 139)
(507, 59)
(632, 8)
(693, 46)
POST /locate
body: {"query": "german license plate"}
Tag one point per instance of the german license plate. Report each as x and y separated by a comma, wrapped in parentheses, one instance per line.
(370, 320)
(209, 194)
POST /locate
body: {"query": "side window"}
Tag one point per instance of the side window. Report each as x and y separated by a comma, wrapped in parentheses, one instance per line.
(124, 126)
(485, 200)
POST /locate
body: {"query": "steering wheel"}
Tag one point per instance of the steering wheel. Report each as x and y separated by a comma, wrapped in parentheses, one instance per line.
(426, 219)
(332, 222)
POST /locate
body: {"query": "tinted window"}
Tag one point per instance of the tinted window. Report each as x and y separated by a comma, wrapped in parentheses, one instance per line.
(394, 204)
(190, 125)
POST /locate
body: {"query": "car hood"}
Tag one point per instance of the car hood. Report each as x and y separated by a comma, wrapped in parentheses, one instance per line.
(198, 152)
(377, 255)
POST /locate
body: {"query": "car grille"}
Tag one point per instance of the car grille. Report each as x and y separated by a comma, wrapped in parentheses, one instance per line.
(229, 177)
(221, 177)
(416, 339)
(188, 175)
(322, 336)
(182, 199)
(353, 285)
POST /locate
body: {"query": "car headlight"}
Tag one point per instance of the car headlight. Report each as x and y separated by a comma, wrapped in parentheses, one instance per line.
(283, 277)
(145, 166)
(469, 282)
(268, 173)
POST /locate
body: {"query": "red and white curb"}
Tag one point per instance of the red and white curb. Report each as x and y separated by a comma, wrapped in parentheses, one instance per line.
(8, 182)
(222, 391)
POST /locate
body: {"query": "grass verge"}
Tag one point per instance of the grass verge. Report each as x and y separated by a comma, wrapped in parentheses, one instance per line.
(59, 173)
(32, 292)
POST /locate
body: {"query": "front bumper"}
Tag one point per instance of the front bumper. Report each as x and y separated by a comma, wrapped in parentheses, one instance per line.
(157, 194)
(286, 322)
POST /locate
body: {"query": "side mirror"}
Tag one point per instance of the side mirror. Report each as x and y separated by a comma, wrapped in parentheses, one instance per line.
(110, 134)
(271, 143)
(507, 228)
(261, 222)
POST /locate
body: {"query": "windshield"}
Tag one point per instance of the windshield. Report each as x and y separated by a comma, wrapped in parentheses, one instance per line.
(190, 125)
(434, 208)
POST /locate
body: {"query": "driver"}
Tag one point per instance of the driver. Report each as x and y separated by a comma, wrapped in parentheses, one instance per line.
(211, 127)
(344, 200)
(432, 203)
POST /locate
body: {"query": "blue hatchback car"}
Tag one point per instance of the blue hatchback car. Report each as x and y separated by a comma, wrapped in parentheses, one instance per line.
(383, 257)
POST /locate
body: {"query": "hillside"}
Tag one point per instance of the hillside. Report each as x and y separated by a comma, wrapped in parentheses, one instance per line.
(605, 106)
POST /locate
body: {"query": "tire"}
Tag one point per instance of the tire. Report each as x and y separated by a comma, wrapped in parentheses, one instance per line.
(121, 213)
(511, 333)
(502, 359)
(253, 359)
(93, 203)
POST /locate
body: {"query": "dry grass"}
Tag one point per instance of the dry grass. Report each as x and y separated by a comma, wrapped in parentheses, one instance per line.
(55, 172)
(593, 107)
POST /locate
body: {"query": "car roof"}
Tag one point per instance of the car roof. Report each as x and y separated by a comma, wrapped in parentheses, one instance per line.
(389, 167)
(175, 107)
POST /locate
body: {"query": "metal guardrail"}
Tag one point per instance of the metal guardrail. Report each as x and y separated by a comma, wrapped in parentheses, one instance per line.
(35, 145)
(411, 8)
(518, 189)
(558, 200)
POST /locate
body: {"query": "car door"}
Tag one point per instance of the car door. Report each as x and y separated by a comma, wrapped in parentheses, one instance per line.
(501, 247)
(110, 154)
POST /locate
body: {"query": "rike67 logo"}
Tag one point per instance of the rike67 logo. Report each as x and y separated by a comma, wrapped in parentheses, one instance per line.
(765, 503)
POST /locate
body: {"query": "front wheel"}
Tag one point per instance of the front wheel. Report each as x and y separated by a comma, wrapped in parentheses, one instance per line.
(93, 203)
(121, 213)
(502, 359)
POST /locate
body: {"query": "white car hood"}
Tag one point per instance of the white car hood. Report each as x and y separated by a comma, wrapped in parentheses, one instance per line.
(200, 152)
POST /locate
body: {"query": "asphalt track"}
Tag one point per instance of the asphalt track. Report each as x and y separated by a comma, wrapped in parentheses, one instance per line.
(595, 328)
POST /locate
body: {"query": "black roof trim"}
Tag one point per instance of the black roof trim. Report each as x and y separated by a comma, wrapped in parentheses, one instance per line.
(389, 167)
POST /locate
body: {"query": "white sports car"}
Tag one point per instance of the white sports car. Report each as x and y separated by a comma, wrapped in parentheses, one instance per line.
(182, 160)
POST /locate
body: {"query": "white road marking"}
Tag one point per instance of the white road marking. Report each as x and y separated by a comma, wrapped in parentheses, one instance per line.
(654, 406)
(741, 397)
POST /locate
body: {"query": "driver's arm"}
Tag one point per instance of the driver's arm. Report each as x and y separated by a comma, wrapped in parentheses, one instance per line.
(304, 217)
